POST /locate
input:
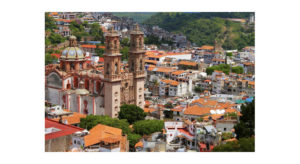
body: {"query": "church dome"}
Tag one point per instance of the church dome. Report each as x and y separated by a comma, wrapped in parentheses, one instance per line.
(72, 52)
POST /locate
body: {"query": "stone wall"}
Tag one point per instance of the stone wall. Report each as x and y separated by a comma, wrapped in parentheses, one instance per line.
(60, 144)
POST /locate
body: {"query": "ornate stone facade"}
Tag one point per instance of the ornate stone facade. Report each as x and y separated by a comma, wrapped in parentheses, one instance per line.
(85, 89)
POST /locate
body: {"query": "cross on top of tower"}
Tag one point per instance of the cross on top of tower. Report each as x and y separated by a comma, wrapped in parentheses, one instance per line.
(112, 32)
(136, 29)
(72, 41)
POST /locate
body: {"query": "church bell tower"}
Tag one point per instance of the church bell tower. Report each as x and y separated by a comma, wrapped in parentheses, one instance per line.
(136, 64)
(112, 74)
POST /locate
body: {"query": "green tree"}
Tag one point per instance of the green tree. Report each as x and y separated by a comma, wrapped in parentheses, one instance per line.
(56, 38)
(168, 105)
(241, 145)
(146, 127)
(131, 113)
(99, 51)
(246, 126)
(198, 89)
(49, 59)
(133, 139)
(124, 51)
(238, 70)
(125, 42)
(96, 31)
(92, 120)
(49, 23)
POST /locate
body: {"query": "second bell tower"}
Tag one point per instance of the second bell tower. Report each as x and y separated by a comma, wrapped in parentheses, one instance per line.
(136, 64)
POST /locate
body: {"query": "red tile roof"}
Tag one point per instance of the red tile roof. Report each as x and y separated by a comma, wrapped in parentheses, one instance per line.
(56, 55)
(64, 130)
(101, 60)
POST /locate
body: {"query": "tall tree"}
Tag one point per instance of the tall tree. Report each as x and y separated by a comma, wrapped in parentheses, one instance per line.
(246, 126)
(131, 113)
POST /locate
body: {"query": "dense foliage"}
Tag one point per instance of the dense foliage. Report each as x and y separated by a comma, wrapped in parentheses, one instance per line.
(241, 145)
(133, 139)
(148, 126)
(246, 126)
(78, 29)
(224, 68)
(151, 39)
(198, 89)
(49, 23)
(131, 113)
(92, 120)
(208, 28)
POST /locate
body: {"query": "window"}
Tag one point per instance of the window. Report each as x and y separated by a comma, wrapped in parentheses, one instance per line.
(116, 68)
(72, 66)
(116, 46)
(224, 129)
(107, 68)
(74, 141)
(132, 65)
(141, 64)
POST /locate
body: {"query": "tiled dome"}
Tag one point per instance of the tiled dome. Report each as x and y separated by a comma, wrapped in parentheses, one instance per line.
(72, 52)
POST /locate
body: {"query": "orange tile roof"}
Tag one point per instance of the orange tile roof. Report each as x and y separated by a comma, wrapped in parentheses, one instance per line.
(139, 144)
(102, 133)
(251, 83)
(221, 60)
(206, 47)
(248, 64)
(205, 102)
(196, 110)
(151, 61)
(72, 119)
(88, 46)
(63, 20)
(149, 110)
(178, 72)
(171, 82)
(189, 63)
(163, 69)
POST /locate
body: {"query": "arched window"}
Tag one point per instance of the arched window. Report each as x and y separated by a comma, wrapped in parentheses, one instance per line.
(75, 82)
(63, 66)
(132, 65)
(141, 64)
(107, 68)
(98, 86)
(86, 84)
(116, 68)
(72, 66)
(141, 42)
(80, 66)
(116, 44)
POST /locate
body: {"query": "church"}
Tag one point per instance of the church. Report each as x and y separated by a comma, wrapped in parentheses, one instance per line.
(83, 88)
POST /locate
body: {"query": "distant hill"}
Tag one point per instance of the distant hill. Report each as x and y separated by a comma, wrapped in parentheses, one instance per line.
(139, 17)
(208, 27)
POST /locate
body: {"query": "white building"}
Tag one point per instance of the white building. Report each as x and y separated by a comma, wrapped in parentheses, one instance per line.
(172, 88)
